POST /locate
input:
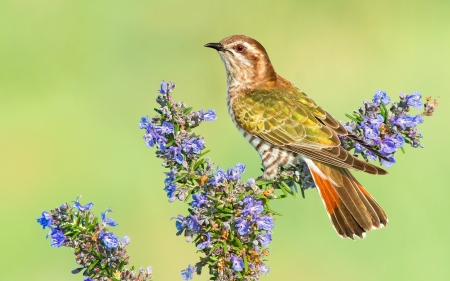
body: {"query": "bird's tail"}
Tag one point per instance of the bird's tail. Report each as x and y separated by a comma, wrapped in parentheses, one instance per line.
(352, 210)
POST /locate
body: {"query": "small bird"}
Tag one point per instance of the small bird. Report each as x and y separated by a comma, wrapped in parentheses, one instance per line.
(286, 126)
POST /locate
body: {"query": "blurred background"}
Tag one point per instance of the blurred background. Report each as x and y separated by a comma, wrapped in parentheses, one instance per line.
(76, 76)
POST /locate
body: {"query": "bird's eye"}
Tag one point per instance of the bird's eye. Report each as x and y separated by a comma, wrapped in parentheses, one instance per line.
(239, 48)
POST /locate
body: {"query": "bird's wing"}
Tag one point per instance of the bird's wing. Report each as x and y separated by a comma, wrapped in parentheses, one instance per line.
(292, 121)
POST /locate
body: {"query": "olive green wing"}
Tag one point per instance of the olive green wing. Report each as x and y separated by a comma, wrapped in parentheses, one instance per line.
(292, 121)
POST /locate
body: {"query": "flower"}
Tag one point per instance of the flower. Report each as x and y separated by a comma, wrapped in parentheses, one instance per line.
(265, 222)
(199, 200)
(206, 243)
(88, 279)
(57, 237)
(411, 121)
(45, 220)
(264, 269)
(209, 116)
(414, 100)
(126, 240)
(193, 224)
(237, 263)
(108, 221)
(265, 239)
(166, 87)
(380, 96)
(110, 240)
(194, 145)
(82, 208)
(242, 225)
(188, 273)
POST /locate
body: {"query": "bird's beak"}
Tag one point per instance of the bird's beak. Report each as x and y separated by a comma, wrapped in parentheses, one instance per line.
(217, 46)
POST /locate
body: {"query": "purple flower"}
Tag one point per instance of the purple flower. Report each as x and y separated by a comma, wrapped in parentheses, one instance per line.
(206, 243)
(166, 87)
(57, 237)
(414, 100)
(251, 181)
(265, 222)
(170, 189)
(253, 207)
(398, 140)
(377, 121)
(411, 121)
(153, 136)
(237, 263)
(194, 145)
(108, 221)
(218, 177)
(242, 226)
(380, 96)
(199, 200)
(210, 115)
(126, 240)
(388, 163)
(165, 128)
(264, 269)
(110, 240)
(88, 279)
(180, 224)
(265, 239)
(45, 220)
(399, 120)
(387, 146)
(239, 168)
(193, 224)
(80, 207)
(176, 154)
(188, 273)
(371, 131)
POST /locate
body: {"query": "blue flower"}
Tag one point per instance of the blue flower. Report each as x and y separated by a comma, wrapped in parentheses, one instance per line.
(88, 279)
(387, 163)
(237, 263)
(242, 226)
(210, 115)
(380, 96)
(80, 207)
(110, 240)
(251, 181)
(170, 188)
(265, 222)
(193, 224)
(166, 87)
(188, 273)
(45, 220)
(108, 221)
(240, 168)
(166, 128)
(411, 121)
(218, 177)
(265, 239)
(176, 154)
(126, 240)
(253, 207)
(199, 200)
(414, 100)
(371, 131)
(194, 145)
(180, 224)
(387, 146)
(153, 136)
(398, 140)
(57, 237)
(264, 269)
(206, 243)
(377, 121)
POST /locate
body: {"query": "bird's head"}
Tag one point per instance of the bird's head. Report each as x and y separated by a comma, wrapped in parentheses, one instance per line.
(246, 62)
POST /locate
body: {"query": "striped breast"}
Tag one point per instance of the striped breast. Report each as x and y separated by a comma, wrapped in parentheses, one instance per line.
(272, 157)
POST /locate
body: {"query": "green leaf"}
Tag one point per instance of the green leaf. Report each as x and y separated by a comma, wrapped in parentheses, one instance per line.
(402, 149)
(245, 264)
(158, 111)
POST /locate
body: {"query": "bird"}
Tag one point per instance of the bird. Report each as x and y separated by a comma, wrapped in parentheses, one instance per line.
(286, 127)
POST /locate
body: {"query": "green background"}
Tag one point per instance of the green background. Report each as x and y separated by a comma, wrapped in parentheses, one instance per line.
(76, 76)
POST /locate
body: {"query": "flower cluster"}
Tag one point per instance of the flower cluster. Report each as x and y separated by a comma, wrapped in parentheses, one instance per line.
(229, 220)
(379, 131)
(100, 254)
